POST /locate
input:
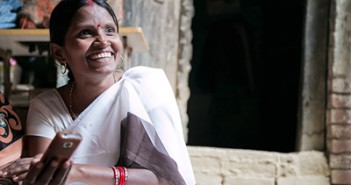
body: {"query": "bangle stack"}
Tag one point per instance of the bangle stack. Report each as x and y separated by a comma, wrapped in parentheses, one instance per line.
(120, 174)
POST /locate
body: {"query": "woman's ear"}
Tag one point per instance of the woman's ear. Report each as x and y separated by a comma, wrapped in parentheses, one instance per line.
(57, 52)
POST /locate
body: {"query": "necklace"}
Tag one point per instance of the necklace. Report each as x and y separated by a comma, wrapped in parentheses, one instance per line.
(70, 101)
(74, 116)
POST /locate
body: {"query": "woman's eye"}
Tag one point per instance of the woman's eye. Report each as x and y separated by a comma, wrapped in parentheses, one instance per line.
(85, 33)
(110, 30)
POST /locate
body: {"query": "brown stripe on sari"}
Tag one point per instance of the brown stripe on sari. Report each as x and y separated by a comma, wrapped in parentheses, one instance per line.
(138, 151)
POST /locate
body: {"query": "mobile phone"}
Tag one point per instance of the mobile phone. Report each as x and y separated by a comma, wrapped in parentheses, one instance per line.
(61, 148)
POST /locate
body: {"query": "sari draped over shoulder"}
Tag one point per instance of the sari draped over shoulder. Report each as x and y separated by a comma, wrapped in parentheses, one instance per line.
(136, 123)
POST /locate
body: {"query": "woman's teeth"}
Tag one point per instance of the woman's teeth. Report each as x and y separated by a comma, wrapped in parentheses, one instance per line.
(101, 55)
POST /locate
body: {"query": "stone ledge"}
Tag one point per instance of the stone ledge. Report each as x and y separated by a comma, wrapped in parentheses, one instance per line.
(222, 166)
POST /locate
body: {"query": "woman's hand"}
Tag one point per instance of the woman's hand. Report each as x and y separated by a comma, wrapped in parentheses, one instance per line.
(18, 168)
(33, 172)
(54, 173)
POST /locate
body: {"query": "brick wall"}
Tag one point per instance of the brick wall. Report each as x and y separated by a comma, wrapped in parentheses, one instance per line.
(339, 93)
(219, 166)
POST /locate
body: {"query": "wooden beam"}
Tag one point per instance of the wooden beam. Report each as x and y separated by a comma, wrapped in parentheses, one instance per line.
(16, 40)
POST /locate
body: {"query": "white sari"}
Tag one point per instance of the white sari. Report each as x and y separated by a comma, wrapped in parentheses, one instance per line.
(135, 123)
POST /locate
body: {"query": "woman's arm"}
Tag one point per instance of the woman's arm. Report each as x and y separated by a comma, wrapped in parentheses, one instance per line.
(92, 174)
(36, 145)
(88, 174)
(84, 173)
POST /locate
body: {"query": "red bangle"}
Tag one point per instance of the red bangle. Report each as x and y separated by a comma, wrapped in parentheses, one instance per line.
(117, 175)
(122, 172)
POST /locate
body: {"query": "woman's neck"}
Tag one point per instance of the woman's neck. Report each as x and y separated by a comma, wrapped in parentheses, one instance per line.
(81, 95)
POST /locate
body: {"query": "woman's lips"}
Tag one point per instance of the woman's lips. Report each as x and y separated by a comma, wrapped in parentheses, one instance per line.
(101, 55)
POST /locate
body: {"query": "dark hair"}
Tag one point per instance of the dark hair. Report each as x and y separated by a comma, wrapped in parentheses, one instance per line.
(62, 15)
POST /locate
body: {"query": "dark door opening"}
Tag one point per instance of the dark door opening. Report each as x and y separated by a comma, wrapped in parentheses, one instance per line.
(245, 74)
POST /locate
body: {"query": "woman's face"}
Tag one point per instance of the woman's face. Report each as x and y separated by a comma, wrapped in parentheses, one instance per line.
(92, 45)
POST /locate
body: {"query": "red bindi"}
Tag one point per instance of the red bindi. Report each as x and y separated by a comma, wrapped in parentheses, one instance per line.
(98, 25)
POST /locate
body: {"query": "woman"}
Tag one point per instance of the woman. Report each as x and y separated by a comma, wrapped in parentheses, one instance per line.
(128, 120)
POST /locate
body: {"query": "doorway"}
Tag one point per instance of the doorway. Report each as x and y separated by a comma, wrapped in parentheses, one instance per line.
(245, 74)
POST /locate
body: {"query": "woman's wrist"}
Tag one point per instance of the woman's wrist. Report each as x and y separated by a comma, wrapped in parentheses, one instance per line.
(90, 174)
(120, 175)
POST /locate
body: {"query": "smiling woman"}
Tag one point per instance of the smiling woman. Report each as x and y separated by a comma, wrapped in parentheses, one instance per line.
(129, 122)
(85, 41)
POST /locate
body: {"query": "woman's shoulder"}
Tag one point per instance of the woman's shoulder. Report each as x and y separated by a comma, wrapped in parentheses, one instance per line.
(47, 95)
(151, 84)
(144, 72)
(146, 77)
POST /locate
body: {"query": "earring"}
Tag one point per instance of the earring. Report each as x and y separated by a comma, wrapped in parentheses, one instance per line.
(63, 67)
(121, 61)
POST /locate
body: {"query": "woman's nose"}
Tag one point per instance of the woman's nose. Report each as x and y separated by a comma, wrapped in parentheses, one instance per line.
(101, 42)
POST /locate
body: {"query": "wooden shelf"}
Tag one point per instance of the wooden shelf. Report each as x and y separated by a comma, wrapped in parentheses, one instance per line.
(15, 39)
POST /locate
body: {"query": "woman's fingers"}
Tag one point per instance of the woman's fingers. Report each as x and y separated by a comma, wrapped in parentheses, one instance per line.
(33, 173)
(16, 168)
(34, 170)
(19, 177)
(50, 170)
(52, 174)
(61, 173)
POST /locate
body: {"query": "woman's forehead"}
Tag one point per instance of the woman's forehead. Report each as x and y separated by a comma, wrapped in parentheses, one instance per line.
(92, 14)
